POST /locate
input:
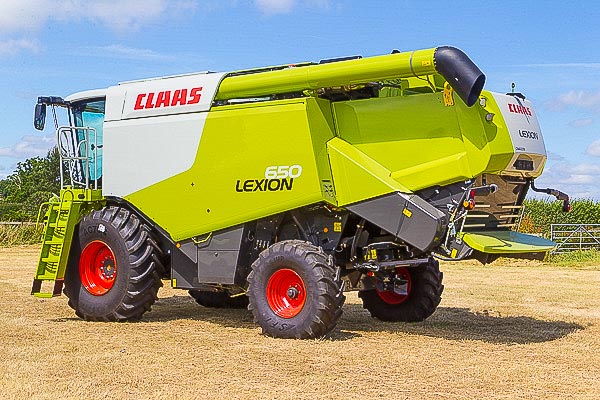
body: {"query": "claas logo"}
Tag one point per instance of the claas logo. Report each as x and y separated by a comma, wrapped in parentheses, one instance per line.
(519, 109)
(179, 97)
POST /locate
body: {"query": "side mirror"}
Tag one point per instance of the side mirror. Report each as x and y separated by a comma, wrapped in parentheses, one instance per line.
(39, 119)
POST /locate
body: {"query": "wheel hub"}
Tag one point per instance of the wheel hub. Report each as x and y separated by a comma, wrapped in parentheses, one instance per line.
(399, 291)
(97, 268)
(293, 292)
(108, 269)
(286, 293)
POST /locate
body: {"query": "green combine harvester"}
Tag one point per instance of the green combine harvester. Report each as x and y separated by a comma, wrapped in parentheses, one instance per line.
(280, 188)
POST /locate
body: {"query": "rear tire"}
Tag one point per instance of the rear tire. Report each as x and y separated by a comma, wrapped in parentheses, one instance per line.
(294, 291)
(422, 300)
(114, 269)
(218, 299)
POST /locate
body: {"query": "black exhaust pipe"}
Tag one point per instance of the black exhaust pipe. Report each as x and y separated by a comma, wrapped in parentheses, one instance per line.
(460, 72)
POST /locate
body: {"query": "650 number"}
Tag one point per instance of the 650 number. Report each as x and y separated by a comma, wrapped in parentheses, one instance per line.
(283, 171)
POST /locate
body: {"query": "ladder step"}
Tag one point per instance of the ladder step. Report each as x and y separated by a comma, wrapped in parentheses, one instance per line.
(37, 287)
(53, 242)
(46, 277)
(42, 295)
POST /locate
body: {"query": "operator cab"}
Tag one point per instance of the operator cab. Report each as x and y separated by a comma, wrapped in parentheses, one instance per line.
(80, 140)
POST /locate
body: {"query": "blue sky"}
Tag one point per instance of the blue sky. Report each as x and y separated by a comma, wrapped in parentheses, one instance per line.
(551, 50)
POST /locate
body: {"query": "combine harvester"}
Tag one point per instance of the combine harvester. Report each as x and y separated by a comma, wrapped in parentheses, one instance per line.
(280, 188)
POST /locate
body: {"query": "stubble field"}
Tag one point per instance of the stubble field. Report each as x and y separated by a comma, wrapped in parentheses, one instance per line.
(518, 330)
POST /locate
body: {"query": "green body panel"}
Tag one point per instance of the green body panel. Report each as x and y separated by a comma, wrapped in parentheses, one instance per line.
(60, 220)
(322, 128)
(506, 242)
(357, 176)
(421, 141)
(348, 153)
(343, 73)
(497, 135)
(237, 145)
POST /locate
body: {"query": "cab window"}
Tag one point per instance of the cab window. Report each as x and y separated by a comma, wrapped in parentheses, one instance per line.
(90, 113)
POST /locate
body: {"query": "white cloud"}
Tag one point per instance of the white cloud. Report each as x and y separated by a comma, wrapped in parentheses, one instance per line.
(123, 15)
(29, 146)
(21, 19)
(577, 180)
(286, 6)
(275, 6)
(26, 15)
(594, 149)
(580, 123)
(554, 156)
(13, 46)
(585, 169)
(576, 98)
(126, 52)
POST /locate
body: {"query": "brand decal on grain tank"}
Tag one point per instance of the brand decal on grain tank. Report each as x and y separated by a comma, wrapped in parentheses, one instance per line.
(529, 134)
(179, 97)
(519, 109)
(277, 178)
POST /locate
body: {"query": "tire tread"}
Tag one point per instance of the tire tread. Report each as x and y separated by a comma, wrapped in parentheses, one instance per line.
(146, 270)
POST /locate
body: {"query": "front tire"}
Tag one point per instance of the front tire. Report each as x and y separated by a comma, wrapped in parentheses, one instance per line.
(294, 291)
(114, 269)
(422, 299)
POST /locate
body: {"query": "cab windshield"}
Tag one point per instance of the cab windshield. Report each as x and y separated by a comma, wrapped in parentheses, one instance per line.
(90, 114)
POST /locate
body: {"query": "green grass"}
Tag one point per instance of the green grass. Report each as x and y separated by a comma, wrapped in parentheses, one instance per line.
(576, 258)
(16, 235)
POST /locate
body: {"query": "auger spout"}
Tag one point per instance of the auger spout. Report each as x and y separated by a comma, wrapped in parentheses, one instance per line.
(454, 65)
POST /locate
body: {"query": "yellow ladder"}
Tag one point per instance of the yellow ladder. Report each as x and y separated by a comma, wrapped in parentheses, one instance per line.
(60, 220)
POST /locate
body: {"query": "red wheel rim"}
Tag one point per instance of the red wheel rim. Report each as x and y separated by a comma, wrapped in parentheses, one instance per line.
(97, 268)
(286, 293)
(391, 297)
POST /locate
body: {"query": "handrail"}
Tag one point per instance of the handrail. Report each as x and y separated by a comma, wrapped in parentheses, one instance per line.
(75, 153)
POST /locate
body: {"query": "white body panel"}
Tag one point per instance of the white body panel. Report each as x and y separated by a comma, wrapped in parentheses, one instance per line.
(162, 96)
(88, 94)
(522, 123)
(525, 133)
(141, 152)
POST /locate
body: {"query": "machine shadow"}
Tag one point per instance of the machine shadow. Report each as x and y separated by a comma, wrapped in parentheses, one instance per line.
(449, 323)
(453, 323)
(184, 307)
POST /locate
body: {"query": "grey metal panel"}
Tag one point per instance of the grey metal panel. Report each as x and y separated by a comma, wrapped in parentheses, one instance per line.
(190, 249)
(425, 227)
(184, 269)
(217, 266)
(385, 212)
(228, 239)
(218, 256)
(408, 217)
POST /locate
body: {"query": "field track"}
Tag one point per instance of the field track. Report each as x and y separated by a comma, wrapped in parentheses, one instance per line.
(515, 331)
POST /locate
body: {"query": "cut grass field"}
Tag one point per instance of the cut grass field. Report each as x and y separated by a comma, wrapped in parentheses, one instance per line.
(517, 330)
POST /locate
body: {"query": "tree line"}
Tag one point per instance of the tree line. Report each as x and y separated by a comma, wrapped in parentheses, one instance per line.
(33, 182)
